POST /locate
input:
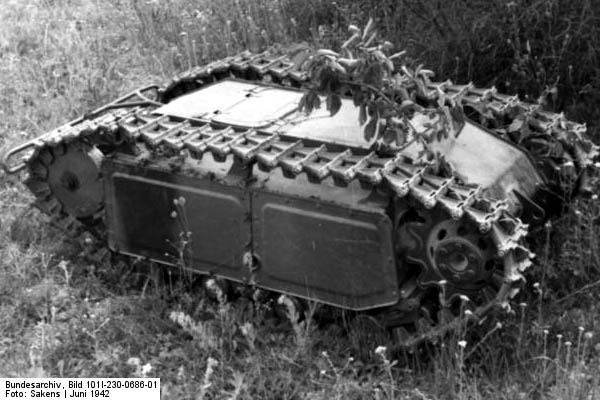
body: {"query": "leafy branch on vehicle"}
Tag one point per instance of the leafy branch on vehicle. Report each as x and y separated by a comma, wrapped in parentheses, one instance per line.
(387, 96)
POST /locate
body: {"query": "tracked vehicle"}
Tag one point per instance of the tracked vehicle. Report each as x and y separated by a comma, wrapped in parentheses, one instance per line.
(220, 173)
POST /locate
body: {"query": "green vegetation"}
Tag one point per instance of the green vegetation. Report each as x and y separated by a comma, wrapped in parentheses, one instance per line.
(64, 317)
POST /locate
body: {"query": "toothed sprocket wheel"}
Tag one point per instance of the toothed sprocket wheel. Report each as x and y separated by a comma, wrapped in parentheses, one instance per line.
(453, 256)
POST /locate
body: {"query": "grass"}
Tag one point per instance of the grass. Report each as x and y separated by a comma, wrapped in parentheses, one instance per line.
(64, 317)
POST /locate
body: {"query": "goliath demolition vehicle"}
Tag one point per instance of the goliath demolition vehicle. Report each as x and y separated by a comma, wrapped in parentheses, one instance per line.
(220, 168)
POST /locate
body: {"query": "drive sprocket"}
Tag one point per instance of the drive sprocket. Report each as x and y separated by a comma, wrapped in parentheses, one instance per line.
(455, 273)
(452, 255)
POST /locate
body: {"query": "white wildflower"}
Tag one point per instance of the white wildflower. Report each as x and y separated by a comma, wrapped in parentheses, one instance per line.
(146, 369)
(381, 350)
(134, 362)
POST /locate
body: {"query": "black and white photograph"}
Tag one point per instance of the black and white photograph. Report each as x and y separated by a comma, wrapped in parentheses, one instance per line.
(284, 199)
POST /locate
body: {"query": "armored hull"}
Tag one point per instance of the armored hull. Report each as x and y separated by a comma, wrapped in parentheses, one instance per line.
(219, 173)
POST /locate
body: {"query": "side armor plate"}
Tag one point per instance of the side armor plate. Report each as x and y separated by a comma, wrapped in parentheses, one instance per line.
(143, 219)
(312, 250)
(305, 245)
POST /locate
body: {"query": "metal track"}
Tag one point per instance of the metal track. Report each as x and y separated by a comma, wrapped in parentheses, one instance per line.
(394, 174)
(276, 66)
(135, 123)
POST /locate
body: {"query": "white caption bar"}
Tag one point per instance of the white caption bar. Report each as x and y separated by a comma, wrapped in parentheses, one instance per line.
(80, 388)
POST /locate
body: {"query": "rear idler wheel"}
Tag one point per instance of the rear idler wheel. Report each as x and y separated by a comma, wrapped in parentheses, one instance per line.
(74, 178)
